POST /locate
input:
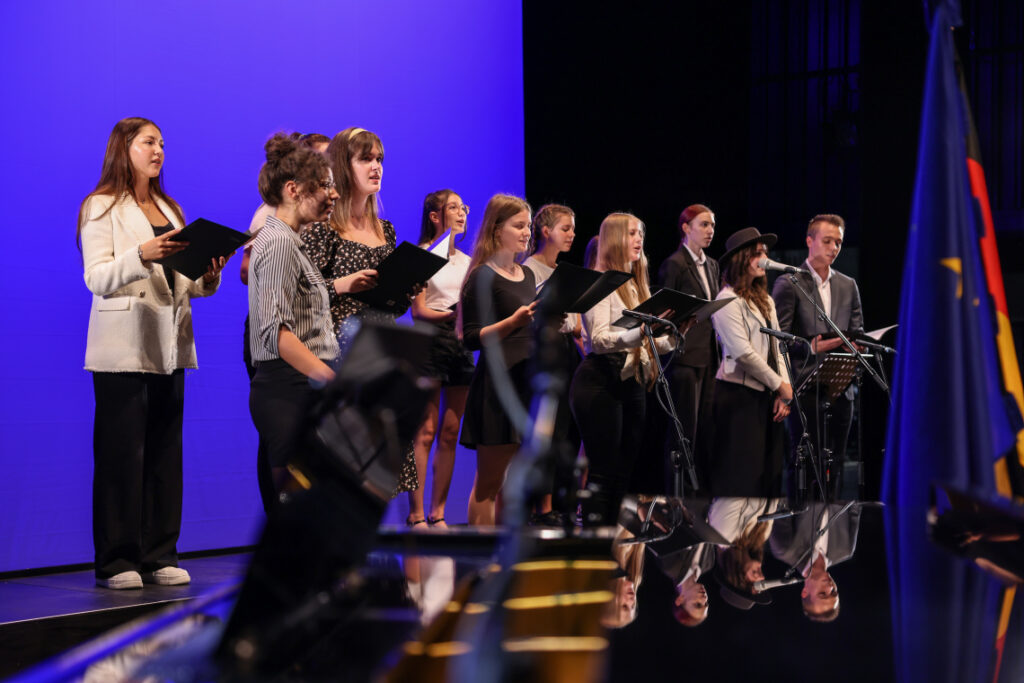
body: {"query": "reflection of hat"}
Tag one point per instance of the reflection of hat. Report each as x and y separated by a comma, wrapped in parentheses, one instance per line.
(738, 598)
(746, 237)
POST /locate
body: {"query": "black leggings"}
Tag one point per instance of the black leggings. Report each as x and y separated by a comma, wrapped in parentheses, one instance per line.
(610, 415)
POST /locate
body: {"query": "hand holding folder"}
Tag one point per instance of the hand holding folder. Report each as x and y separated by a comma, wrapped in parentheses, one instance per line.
(207, 242)
(573, 289)
(398, 276)
(681, 306)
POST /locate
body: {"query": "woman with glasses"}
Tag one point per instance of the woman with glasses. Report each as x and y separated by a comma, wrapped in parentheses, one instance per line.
(290, 333)
(752, 386)
(450, 363)
(140, 342)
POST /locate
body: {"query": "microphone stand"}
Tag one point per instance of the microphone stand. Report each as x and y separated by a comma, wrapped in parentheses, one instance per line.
(682, 455)
(804, 449)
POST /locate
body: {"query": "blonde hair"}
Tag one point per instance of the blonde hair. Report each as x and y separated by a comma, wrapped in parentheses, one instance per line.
(347, 145)
(612, 254)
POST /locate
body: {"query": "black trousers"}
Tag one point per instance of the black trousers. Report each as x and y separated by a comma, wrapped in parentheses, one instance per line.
(693, 394)
(137, 475)
(279, 401)
(264, 476)
(610, 414)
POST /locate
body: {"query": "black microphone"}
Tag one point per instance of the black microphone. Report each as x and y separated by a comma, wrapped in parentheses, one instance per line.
(881, 348)
(761, 586)
(646, 318)
(767, 264)
(784, 336)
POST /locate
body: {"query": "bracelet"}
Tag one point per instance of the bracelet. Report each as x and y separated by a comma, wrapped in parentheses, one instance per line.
(140, 254)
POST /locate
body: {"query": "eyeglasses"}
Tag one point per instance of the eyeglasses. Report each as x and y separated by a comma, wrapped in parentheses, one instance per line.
(461, 208)
(326, 185)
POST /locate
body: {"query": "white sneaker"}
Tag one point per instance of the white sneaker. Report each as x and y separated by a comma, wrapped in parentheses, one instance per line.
(167, 576)
(128, 579)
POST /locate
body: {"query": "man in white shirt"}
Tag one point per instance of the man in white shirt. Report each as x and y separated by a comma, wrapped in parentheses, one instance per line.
(838, 295)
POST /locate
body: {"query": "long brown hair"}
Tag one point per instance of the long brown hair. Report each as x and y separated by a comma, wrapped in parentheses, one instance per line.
(435, 201)
(117, 178)
(747, 547)
(347, 145)
(500, 208)
(736, 274)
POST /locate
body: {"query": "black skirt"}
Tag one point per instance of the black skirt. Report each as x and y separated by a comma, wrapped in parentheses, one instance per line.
(486, 423)
(450, 362)
(749, 446)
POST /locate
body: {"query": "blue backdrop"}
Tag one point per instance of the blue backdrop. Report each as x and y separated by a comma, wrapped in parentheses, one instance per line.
(440, 82)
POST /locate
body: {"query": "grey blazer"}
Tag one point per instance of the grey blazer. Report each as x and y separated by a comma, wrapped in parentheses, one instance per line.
(792, 537)
(797, 316)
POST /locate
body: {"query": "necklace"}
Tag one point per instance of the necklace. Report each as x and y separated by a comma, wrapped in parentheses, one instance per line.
(510, 271)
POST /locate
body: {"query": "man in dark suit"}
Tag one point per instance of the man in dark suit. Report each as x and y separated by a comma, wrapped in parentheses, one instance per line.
(692, 375)
(837, 294)
(796, 542)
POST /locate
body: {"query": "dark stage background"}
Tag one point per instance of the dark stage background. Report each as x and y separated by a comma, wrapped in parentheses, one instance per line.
(769, 112)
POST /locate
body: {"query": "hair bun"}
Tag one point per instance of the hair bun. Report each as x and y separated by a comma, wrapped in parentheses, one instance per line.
(278, 147)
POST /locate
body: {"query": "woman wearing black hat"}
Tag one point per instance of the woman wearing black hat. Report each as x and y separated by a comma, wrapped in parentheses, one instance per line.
(752, 389)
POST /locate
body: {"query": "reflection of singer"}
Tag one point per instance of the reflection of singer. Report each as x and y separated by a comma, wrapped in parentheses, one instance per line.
(691, 376)
(837, 294)
(752, 386)
(685, 568)
(791, 542)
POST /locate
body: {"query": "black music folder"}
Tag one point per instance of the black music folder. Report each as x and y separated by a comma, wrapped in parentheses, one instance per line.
(574, 289)
(397, 275)
(683, 307)
(206, 241)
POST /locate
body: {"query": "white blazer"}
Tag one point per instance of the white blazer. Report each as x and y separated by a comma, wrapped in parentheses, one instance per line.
(135, 324)
(744, 346)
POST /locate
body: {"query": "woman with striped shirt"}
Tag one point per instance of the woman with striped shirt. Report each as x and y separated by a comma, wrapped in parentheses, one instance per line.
(291, 334)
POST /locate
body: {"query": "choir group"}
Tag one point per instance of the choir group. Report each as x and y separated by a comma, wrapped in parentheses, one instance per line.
(318, 241)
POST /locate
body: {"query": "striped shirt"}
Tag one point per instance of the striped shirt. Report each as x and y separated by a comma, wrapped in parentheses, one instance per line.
(286, 290)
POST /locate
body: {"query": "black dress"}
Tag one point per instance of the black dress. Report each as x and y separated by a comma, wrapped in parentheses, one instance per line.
(486, 422)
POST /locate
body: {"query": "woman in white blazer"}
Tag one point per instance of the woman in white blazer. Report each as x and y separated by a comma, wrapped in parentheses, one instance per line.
(752, 386)
(139, 344)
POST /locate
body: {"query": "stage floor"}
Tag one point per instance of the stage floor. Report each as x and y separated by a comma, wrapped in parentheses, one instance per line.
(43, 615)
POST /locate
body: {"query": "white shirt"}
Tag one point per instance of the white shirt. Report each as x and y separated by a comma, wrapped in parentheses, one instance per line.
(824, 287)
(443, 289)
(601, 336)
(542, 271)
(700, 261)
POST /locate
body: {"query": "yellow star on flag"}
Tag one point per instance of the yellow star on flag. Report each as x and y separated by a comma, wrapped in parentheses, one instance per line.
(956, 265)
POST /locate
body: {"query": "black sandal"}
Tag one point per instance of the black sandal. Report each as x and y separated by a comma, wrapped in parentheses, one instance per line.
(434, 520)
(413, 522)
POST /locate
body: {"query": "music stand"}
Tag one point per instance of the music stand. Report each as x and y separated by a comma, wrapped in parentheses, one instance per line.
(829, 380)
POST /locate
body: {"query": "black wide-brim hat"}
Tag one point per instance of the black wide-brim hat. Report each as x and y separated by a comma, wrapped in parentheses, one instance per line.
(744, 238)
